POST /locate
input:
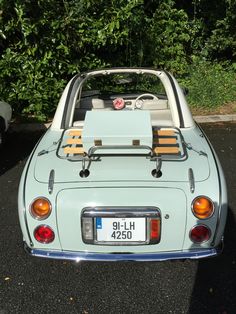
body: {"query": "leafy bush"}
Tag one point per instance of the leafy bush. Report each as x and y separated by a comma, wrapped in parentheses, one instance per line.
(45, 42)
(170, 34)
(210, 84)
(30, 84)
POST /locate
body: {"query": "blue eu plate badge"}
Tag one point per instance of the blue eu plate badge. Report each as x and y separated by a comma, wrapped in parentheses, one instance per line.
(99, 223)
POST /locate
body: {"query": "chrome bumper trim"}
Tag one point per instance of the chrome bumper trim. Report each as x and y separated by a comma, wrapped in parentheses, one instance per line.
(115, 257)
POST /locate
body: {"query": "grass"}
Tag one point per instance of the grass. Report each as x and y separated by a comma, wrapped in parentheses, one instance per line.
(211, 86)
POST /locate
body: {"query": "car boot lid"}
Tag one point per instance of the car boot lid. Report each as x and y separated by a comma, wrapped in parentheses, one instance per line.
(102, 159)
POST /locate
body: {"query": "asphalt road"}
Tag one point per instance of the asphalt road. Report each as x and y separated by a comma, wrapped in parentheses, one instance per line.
(33, 285)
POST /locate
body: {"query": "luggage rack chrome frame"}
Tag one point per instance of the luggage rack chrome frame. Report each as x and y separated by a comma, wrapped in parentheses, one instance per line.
(94, 148)
(91, 156)
(94, 156)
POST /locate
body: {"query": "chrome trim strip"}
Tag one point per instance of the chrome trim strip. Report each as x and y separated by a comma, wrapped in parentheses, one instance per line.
(114, 211)
(117, 257)
(191, 180)
(51, 181)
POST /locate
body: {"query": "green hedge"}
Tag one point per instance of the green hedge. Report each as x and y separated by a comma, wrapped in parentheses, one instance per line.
(210, 84)
(44, 43)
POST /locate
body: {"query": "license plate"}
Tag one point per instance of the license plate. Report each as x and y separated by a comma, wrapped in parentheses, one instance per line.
(121, 229)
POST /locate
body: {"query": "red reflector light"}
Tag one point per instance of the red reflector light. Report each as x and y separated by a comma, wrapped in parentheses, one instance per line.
(154, 230)
(44, 234)
(200, 234)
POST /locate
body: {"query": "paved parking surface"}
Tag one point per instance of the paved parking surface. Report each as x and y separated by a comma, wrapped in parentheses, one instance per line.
(32, 285)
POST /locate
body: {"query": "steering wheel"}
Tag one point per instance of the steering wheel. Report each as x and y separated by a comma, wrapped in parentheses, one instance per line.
(138, 103)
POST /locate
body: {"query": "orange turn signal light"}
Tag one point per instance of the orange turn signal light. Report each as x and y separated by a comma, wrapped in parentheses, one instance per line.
(41, 208)
(202, 207)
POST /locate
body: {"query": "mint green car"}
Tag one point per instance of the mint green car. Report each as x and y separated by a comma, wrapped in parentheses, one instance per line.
(123, 173)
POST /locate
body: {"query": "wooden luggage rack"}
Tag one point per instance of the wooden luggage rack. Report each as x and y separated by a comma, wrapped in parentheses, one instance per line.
(166, 143)
(73, 144)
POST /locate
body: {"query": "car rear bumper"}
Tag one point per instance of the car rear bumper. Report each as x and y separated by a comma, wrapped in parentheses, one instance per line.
(115, 257)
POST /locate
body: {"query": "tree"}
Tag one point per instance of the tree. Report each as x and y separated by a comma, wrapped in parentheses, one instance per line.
(222, 43)
(45, 42)
(169, 37)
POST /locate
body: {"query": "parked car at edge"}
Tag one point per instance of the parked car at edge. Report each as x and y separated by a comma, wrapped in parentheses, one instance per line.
(5, 118)
(123, 173)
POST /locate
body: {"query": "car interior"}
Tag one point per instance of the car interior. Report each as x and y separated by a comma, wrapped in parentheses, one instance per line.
(145, 94)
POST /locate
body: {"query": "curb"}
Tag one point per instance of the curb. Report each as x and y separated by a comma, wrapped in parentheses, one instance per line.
(34, 127)
(215, 118)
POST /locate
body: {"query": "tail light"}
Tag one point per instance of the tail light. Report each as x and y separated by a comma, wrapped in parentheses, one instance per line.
(44, 234)
(87, 229)
(200, 233)
(40, 208)
(154, 230)
(202, 207)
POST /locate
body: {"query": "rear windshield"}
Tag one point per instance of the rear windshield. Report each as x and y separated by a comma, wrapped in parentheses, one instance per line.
(124, 83)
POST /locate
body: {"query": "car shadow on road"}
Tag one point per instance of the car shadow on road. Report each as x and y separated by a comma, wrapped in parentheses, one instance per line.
(215, 283)
(17, 147)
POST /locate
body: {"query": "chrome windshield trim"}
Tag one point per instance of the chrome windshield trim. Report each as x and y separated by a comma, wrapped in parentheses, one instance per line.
(118, 257)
